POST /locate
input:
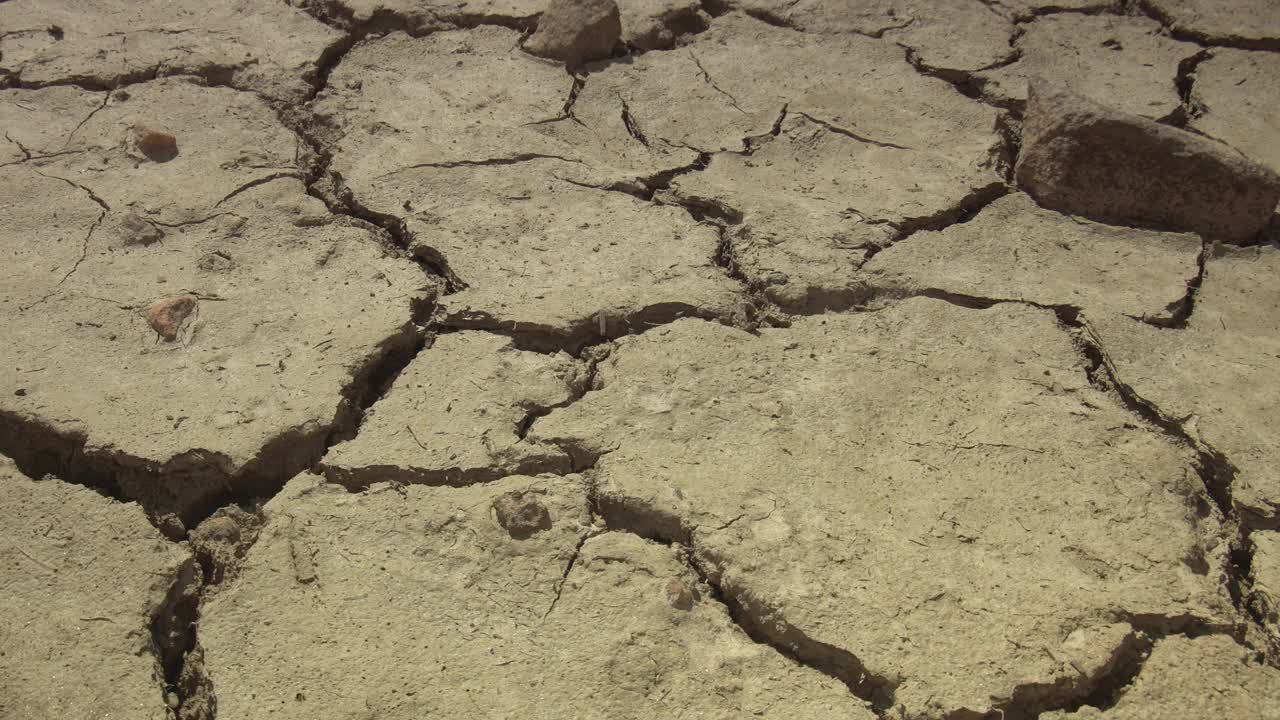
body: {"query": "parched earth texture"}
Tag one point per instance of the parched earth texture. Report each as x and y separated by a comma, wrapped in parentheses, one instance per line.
(356, 363)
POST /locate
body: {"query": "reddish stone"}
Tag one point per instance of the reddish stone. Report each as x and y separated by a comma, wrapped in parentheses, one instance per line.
(166, 316)
(156, 144)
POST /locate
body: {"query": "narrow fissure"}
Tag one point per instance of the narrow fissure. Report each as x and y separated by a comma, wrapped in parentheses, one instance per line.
(568, 568)
(632, 127)
(958, 214)
(1180, 311)
(1216, 472)
(1184, 82)
(967, 84)
(185, 687)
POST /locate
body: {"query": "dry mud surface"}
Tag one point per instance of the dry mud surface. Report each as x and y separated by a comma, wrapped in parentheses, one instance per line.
(357, 363)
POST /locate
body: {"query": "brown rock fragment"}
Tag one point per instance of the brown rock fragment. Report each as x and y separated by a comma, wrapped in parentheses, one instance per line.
(166, 316)
(156, 145)
(521, 514)
(1081, 157)
(679, 595)
(136, 230)
(576, 31)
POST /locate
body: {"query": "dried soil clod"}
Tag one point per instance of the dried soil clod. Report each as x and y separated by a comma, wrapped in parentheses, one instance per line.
(166, 316)
(679, 595)
(1081, 157)
(575, 31)
(156, 145)
(521, 514)
(136, 230)
(222, 540)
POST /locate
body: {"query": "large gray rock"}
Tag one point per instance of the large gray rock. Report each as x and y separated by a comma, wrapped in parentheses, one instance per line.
(1081, 157)
(575, 31)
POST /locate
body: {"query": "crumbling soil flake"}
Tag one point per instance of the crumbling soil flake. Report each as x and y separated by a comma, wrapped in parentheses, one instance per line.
(78, 603)
(459, 617)
(928, 465)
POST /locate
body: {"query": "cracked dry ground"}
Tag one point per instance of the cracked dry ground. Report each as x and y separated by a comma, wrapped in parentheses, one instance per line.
(729, 377)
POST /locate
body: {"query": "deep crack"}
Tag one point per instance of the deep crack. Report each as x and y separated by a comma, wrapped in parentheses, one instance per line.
(182, 491)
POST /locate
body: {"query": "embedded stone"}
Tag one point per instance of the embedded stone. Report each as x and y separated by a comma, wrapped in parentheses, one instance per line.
(679, 595)
(156, 145)
(136, 230)
(167, 315)
(521, 514)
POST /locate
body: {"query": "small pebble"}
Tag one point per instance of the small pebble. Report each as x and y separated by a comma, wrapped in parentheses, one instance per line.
(156, 145)
(166, 316)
